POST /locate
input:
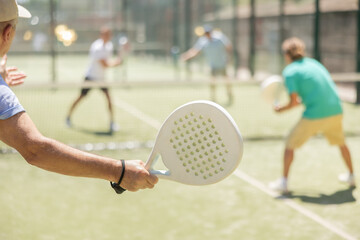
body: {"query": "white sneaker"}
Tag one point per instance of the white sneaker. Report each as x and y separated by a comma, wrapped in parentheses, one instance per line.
(114, 127)
(347, 178)
(279, 185)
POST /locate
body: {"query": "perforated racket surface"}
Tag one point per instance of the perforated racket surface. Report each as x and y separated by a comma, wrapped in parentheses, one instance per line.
(272, 88)
(199, 144)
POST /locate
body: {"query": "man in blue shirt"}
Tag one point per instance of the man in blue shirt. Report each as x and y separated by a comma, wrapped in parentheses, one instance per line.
(308, 82)
(18, 131)
(216, 47)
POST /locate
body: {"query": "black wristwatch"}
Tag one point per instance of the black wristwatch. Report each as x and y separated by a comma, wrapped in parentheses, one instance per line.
(116, 186)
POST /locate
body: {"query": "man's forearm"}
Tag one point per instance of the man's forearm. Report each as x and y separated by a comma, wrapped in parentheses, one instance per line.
(20, 133)
(190, 54)
(57, 157)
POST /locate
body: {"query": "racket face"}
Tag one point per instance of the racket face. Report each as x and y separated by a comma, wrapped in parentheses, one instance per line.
(199, 143)
(272, 88)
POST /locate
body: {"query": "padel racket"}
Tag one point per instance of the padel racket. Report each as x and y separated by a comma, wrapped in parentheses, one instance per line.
(199, 144)
(124, 47)
(272, 88)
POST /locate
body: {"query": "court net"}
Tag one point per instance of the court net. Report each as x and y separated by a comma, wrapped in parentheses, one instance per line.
(148, 103)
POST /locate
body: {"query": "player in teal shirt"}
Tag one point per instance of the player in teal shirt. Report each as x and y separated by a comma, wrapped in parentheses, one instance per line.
(309, 83)
(313, 84)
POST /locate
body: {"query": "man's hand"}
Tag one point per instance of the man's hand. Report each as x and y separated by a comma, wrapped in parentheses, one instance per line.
(10, 74)
(293, 102)
(118, 61)
(137, 177)
(277, 108)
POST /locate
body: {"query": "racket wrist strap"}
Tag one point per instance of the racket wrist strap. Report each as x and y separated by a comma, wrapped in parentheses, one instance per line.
(116, 186)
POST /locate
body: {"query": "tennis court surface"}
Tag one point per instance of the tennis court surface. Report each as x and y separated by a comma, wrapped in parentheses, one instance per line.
(39, 205)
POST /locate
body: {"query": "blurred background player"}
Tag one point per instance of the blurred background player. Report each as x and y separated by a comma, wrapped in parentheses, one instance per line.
(100, 54)
(216, 47)
(308, 82)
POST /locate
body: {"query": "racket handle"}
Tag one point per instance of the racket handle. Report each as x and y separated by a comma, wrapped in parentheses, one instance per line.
(160, 173)
(276, 103)
(164, 174)
(151, 160)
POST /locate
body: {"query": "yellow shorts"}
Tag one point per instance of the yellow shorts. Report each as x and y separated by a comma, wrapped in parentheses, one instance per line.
(330, 127)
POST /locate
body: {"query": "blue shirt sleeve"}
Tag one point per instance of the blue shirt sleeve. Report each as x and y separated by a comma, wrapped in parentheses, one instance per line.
(200, 43)
(9, 103)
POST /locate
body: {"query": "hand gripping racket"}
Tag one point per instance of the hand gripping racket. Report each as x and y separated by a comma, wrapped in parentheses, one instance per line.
(272, 88)
(199, 144)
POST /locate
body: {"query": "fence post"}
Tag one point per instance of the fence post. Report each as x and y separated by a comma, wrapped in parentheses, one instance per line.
(358, 54)
(175, 49)
(124, 10)
(188, 33)
(175, 23)
(53, 40)
(235, 36)
(281, 33)
(316, 53)
(252, 38)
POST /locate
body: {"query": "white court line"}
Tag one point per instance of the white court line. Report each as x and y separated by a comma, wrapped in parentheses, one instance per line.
(289, 202)
(138, 114)
(252, 181)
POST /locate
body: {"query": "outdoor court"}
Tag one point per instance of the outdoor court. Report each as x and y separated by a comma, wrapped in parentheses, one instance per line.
(52, 49)
(40, 205)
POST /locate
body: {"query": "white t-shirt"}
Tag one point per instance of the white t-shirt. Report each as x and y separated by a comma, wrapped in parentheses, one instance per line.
(214, 49)
(98, 51)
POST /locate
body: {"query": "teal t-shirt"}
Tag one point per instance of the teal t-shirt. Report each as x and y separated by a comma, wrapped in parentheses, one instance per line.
(312, 82)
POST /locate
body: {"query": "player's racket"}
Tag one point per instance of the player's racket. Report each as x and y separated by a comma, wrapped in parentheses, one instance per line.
(199, 144)
(272, 88)
(124, 47)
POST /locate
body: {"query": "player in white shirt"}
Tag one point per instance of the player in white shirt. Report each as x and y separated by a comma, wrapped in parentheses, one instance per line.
(100, 54)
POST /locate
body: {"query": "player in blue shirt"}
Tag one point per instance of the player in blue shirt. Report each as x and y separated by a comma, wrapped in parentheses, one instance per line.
(216, 48)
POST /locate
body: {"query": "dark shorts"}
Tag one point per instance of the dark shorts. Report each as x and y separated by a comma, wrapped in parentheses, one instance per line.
(84, 91)
(218, 72)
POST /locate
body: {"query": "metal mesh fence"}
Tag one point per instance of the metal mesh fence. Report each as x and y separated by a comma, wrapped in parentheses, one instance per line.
(162, 29)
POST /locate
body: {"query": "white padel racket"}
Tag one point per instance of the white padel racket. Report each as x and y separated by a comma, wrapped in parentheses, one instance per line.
(199, 144)
(272, 88)
(124, 47)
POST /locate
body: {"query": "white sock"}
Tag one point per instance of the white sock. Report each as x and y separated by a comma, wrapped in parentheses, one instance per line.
(284, 180)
